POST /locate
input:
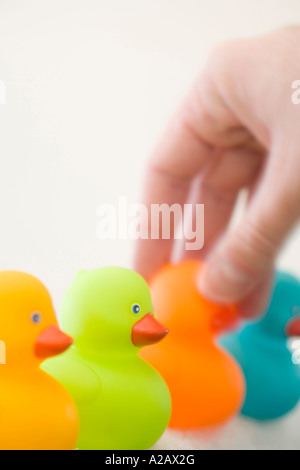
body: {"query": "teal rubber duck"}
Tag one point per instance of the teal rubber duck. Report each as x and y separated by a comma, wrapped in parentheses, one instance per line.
(123, 402)
(261, 348)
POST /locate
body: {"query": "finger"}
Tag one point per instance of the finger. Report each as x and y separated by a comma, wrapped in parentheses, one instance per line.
(181, 155)
(204, 123)
(218, 190)
(243, 259)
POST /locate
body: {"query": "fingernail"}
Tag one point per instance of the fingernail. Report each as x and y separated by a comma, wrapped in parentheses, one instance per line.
(221, 281)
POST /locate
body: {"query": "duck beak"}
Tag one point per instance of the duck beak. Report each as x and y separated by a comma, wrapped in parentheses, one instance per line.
(51, 342)
(147, 331)
(293, 328)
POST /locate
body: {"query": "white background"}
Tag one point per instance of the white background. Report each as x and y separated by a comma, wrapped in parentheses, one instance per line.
(90, 86)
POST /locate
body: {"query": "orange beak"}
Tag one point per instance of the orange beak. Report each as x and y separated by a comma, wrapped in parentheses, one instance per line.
(51, 342)
(147, 331)
(293, 328)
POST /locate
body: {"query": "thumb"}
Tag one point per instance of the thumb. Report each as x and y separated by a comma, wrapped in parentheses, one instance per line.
(240, 262)
(245, 257)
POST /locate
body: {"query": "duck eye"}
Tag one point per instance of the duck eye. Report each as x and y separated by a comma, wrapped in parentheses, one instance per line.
(136, 309)
(36, 318)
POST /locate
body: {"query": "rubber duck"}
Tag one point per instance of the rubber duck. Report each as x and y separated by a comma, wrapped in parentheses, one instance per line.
(261, 348)
(123, 403)
(206, 384)
(37, 413)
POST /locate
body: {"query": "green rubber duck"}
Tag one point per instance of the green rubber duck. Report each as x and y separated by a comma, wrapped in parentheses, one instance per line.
(123, 402)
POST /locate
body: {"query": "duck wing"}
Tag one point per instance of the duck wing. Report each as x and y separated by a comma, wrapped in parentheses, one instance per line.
(75, 375)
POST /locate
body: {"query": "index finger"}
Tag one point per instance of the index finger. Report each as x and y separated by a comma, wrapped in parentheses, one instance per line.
(180, 156)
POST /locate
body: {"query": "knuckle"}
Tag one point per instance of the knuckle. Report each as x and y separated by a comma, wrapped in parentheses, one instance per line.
(223, 54)
(218, 195)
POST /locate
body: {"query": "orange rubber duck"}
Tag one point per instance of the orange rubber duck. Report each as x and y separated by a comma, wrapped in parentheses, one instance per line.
(36, 411)
(207, 386)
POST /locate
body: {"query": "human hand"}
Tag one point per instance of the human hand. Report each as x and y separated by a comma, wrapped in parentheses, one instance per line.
(238, 128)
